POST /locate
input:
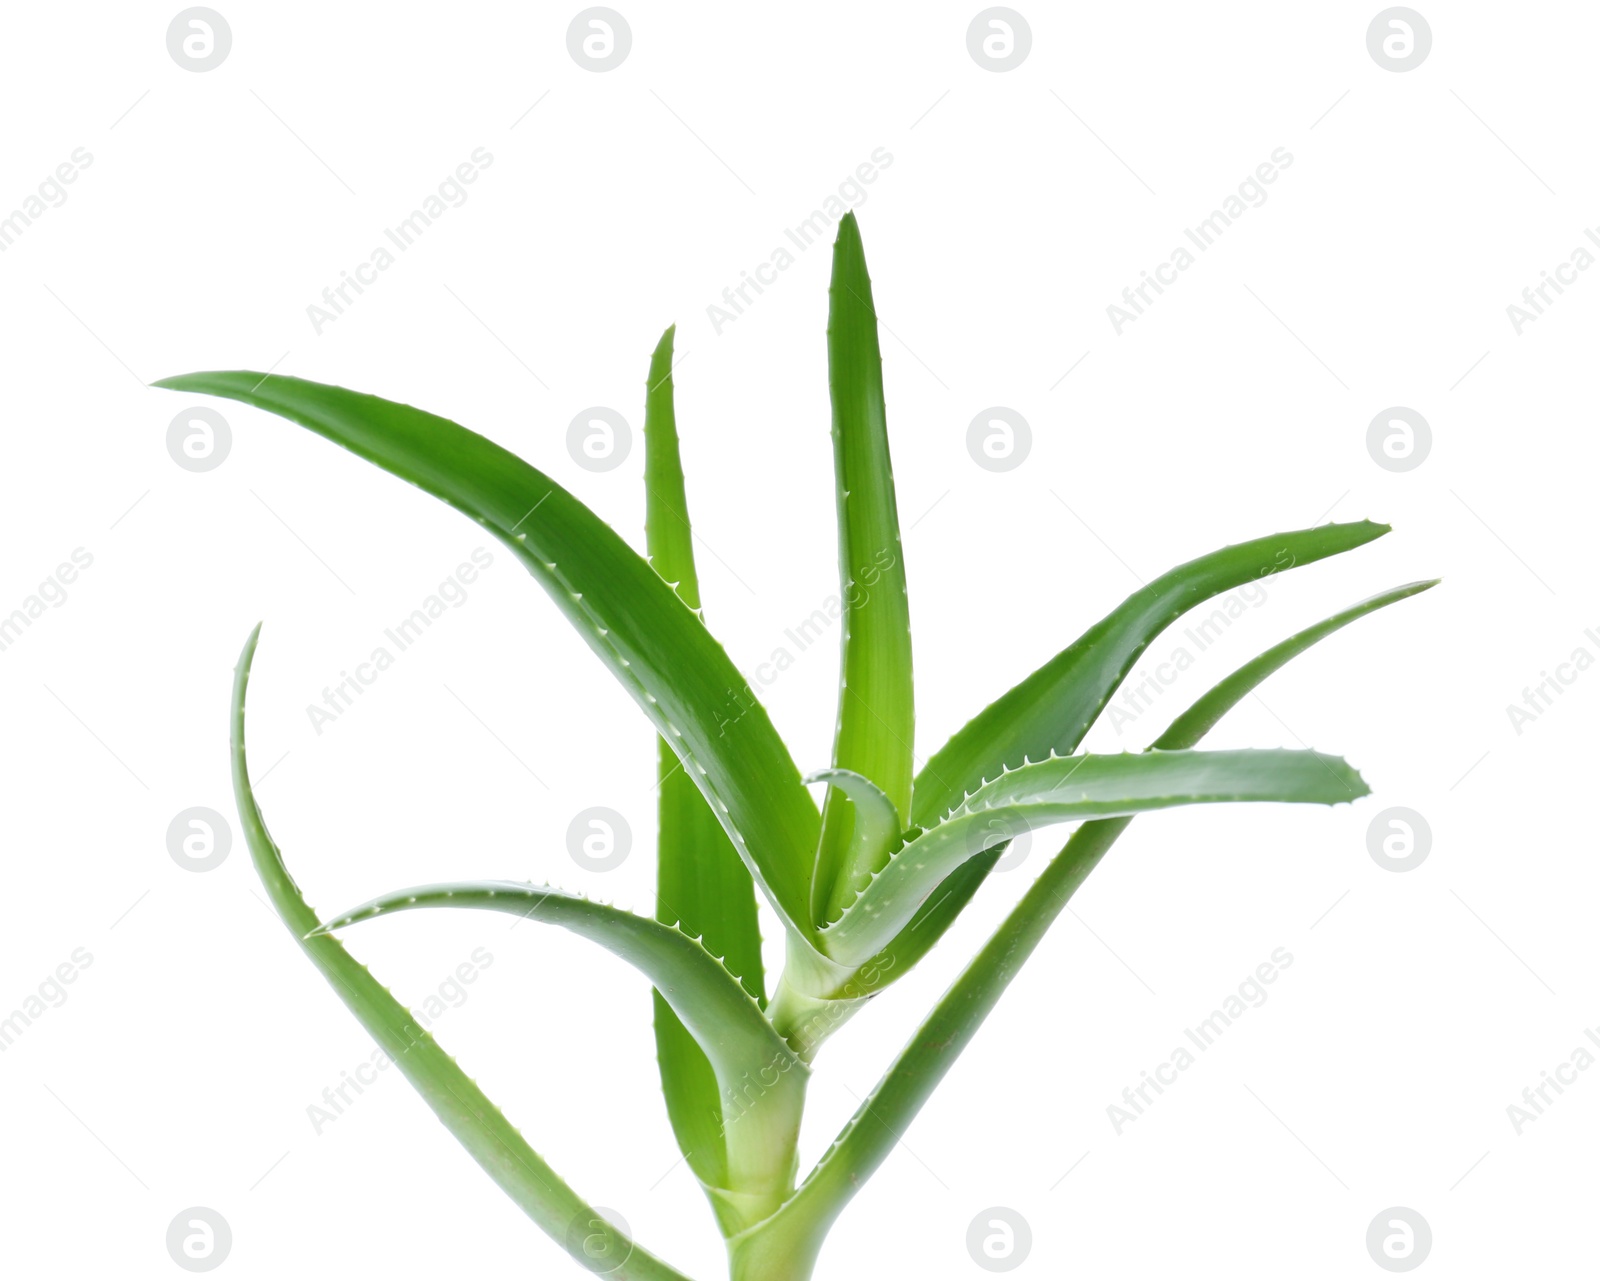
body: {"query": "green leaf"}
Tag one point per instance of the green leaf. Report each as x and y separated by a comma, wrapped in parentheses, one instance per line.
(701, 885)
(890, 1108)
(874, 727)
(799, 1227)
(754, 1067)
(492, 1141)
(1053, 708)
(874, 833)
(650, 640)
(1067, 788)
(725, 1022)
(1193, 725)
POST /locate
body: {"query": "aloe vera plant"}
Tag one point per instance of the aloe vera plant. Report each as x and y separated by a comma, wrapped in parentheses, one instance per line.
(864, 885)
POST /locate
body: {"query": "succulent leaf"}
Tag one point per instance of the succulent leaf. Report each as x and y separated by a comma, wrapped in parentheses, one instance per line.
(650, 640)
(723, 1018)
(700, 881)
(1064, 788)
(894, 1102)
(865, 887)
(873, 831)
(1053, 708)
(874, 726)
(477, 1124)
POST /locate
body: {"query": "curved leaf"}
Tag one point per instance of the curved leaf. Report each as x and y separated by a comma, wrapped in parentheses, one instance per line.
(1074, 787)
(492, 1141)
(650, 640)
(725, 1022)
(873, 829)
(875, 723)
(1193, 725)
(1052, 709)
(741, 1046)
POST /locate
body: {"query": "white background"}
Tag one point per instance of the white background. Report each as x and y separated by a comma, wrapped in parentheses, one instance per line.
(219, 205)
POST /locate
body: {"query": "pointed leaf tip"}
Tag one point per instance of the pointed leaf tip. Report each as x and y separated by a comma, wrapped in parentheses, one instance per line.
(847, 244)
(647, 636)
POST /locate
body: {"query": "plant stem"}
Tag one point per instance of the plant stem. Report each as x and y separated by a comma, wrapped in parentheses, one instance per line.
(781, 1249)
(813, 996)
(796, 1231)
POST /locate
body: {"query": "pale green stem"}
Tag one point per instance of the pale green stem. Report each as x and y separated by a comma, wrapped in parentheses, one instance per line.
(814, 995)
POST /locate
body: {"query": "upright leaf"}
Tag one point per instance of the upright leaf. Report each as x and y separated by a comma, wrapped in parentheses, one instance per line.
(701, 885)
(874, 726)
(649, 639)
